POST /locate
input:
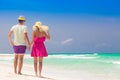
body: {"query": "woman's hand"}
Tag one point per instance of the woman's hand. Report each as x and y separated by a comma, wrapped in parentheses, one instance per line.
(28, 47)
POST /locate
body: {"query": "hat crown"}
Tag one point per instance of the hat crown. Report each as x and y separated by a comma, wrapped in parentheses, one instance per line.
(21, 18)
(38, 24)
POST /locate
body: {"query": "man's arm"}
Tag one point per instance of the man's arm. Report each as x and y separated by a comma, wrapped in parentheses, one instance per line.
(10, 38)
(26, 38)
(33, 35)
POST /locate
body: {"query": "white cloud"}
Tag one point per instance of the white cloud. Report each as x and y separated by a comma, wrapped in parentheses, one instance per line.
(67, 41)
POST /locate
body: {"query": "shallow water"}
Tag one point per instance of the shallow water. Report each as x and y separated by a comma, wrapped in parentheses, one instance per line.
(100, 65)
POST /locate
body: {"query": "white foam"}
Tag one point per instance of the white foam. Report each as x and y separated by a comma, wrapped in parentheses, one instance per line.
(6, 59)
(71, 56)
(116, 62)
(109, 62)
(63, 56)
(96, 54)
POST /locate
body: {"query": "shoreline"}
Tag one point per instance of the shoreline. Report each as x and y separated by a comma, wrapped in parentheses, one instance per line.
(53, 72)
(49, 72)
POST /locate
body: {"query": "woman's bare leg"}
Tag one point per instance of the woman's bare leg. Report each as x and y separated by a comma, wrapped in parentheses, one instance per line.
(40, 66)
(35, 65)
(20, 64)
(15, 63)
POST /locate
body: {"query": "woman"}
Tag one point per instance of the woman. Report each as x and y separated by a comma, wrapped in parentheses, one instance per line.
(39, 35)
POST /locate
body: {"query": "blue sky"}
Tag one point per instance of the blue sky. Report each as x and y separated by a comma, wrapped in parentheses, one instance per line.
(75, 25)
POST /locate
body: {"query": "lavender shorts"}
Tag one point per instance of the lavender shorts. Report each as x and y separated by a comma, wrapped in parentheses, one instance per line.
(19, 49)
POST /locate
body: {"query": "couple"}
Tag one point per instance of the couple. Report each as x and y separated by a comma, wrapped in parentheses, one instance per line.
(39, 35)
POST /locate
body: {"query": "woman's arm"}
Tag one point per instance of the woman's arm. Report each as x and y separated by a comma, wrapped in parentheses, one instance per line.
(47, 35)
(10, 38)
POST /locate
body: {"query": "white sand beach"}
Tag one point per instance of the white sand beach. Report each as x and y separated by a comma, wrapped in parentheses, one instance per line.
(49, 72)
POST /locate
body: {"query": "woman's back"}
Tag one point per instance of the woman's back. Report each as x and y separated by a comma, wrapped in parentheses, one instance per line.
(39, 34)
(39, 37)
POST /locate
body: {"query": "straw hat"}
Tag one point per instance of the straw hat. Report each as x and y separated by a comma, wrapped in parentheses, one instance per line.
(45, 28)
(40, 26)
(21, 18)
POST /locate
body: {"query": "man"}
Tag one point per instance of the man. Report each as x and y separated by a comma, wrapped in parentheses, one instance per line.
(19, 43)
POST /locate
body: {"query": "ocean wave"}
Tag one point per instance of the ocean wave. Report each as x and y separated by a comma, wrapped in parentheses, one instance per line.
(6, 59)
(72, 56)
(109, 62)
(95, 54)
(61, 56)
(9, 57)
(116, 62)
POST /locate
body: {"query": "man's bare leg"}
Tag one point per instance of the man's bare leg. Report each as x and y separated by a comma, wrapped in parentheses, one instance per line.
(15, 63)
(20, 64)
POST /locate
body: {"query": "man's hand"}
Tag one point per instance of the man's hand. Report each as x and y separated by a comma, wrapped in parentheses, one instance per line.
(11, 43)
(10, 38)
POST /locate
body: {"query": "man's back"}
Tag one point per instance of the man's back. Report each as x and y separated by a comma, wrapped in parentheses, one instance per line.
(19, 31)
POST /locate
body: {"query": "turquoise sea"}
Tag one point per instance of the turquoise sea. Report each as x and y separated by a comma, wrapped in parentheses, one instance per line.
(102, 61)
(99, 64)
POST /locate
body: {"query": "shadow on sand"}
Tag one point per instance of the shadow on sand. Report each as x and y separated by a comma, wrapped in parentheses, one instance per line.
(44, 77)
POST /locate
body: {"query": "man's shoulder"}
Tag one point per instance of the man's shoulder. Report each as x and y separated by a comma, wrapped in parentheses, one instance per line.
(15, 25)
(24, 26)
